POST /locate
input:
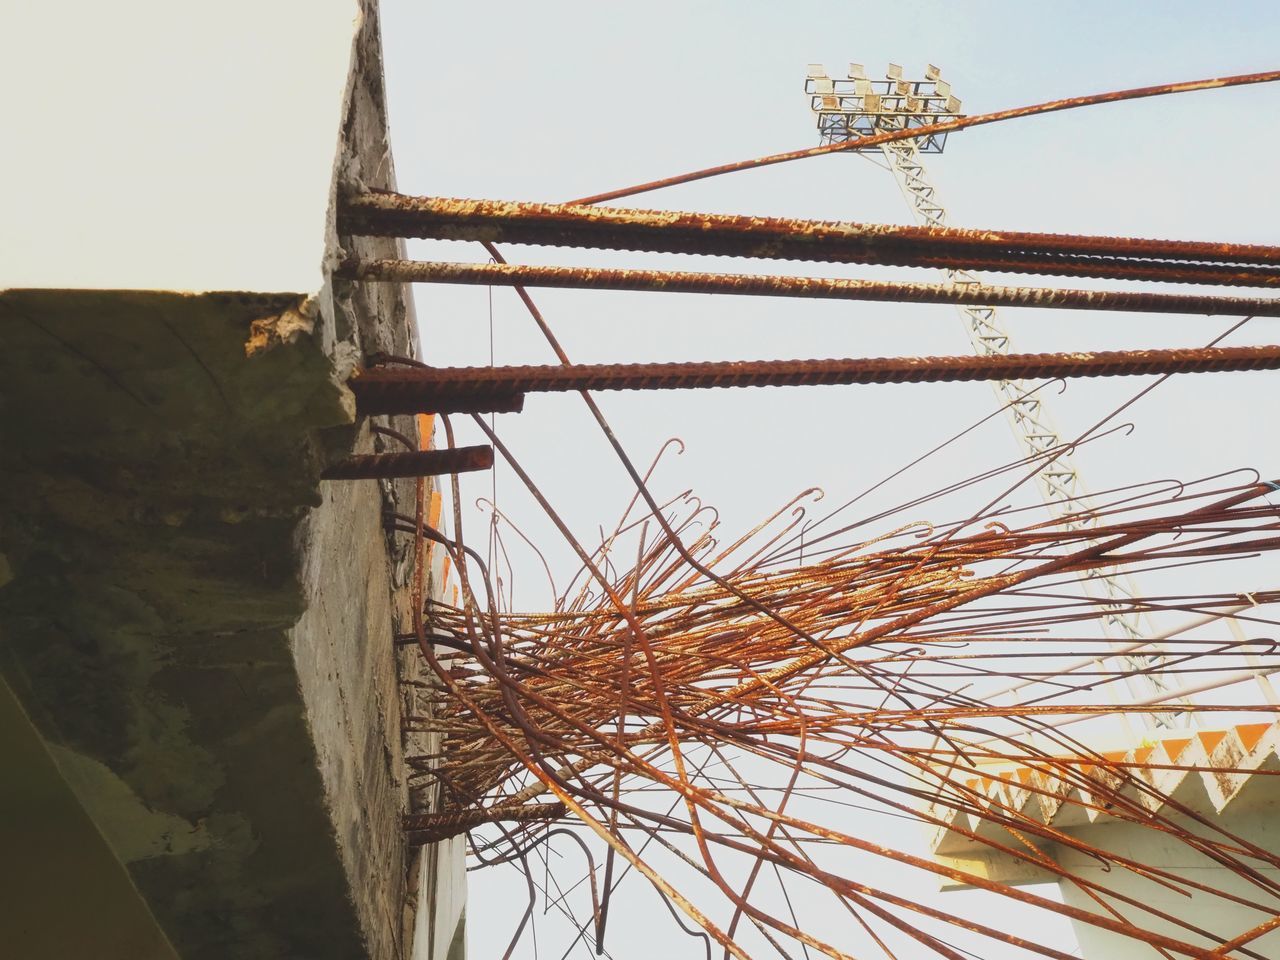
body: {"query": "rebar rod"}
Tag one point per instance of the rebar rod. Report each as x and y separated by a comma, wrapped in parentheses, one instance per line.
(934, 129)
(822, 288)
(577, 225)
(417, 463)
(434, 827)
(496, 401)
(409, 390)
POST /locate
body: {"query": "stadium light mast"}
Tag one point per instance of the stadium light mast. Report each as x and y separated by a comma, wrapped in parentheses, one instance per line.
(856, 106)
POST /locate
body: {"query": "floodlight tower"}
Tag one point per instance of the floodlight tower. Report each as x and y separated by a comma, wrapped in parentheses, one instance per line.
(855, 107)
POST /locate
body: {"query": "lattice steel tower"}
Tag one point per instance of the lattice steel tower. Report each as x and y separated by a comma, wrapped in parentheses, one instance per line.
(855, 107)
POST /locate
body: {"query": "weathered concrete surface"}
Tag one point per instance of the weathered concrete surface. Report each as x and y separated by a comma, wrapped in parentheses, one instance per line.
(160, 454)
(53, 845)
(438, 879)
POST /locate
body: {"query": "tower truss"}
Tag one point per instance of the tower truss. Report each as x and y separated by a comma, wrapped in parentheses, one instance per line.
(856, 106)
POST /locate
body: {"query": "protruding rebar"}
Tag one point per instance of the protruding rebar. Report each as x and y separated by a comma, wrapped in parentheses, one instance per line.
(434, 827)
(375, 402)
(818, 288)
(414, 389)
(418, 463)
(576, 225)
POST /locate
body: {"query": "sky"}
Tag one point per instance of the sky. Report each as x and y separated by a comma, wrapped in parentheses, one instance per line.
(558, 100)
(170, 115)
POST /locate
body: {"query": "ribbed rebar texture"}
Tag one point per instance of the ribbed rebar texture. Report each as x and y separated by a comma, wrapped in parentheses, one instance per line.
(410, 390)
(495, 401)
(822, 288)
(434, 827)
(417, 463)
(576, 225)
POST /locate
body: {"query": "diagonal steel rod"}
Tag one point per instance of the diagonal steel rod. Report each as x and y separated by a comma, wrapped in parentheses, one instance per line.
(949, 126)
(822, 288)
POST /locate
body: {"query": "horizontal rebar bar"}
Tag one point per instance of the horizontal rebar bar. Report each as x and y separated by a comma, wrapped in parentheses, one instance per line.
(433, 827)
(496, 401)
(411, 390)
(577, 225)
(823, 288)
(417, 463)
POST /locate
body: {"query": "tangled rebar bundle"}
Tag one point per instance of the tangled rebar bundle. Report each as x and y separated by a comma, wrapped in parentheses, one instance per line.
(713, 712)
(792, 669)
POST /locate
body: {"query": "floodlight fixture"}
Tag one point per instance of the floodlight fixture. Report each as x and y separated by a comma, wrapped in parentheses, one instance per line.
(857, 107)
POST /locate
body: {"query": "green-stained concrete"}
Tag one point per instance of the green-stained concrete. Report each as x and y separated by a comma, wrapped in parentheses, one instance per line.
(161, 453)
(51, 844)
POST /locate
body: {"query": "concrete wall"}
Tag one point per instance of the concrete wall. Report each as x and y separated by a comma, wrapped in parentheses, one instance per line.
(1259, 825)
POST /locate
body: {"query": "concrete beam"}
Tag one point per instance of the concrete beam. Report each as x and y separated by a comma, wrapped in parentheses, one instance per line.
(161, 457)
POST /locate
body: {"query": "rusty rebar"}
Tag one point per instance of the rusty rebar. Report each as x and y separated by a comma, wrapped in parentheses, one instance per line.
(577, 225)
(492, 402)
(433, 827)
(822, 288)
(578, 665)
(411, 390)
(929, 130)
(562, 709)
(417, 463)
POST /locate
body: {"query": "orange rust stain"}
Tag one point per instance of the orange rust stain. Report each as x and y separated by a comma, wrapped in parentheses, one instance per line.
(426, 428)
(433, 519)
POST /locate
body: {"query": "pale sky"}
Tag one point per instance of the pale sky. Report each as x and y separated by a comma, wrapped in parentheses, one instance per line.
(187, 150)
(557, 100)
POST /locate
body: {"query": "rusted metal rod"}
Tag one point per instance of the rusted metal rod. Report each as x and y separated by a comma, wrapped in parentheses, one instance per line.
(433, 827)
(410, 390)
(417, 463)
(946, 126)
(495, 402)
(577, 225)
(824, 288)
